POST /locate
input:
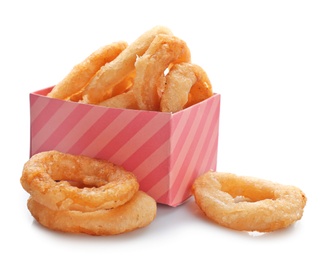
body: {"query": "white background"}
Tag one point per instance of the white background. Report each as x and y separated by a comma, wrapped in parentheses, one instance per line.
(268, 60)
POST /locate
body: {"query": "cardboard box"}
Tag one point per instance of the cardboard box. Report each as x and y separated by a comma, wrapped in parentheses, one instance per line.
(166, 151)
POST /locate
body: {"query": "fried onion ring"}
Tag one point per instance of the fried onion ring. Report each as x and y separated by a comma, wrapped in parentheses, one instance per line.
(75, 182)
(139, 212)
(150, 68)
(100, 87)
(124, 100)
(186, 84)
(83, 72)
(248, 203)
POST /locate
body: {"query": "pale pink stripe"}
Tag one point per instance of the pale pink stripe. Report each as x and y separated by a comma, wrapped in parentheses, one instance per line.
(166, 196)
(159, 190)
(62, 130)
(108, 134)
(182, 185)
(164, 151)
(157, 156)
(189, 134)
(107, 117)
(125, 134)
(158, 140)
(141, 137)
(179, 138)
(55, 115)
(45, 114)
(36, 106)
(212, 144)
(79, 129)
(158, 174)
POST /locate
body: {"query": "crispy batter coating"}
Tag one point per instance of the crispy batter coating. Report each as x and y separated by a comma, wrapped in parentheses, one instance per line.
(101, 86)
(124, 100)
(186, 84)
(137, 213)
(149, 83)
(83, 72)
(248, 203)
(75, 182)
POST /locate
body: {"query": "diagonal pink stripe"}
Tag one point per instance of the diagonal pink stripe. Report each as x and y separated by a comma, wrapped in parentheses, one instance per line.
(164, 151)
(159, 190)
(137, 123)
(153, 151)
(110, 127)
(53, 117)
(36, 104)
(191, 165)
(164, 197)
(184, 142)
(63, 129)
(209, 149)
(155, 176)
(79, 131)
(43, 111)
(144, 142)
(159, 155)
(188, 165)
(182, 122)
(212, 148)
(143, 152)
(90, 133)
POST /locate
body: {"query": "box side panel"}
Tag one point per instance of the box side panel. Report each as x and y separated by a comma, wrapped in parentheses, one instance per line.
(194, 149)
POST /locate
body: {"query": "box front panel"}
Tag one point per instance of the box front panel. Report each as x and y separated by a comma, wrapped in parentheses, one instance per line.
(165, 151)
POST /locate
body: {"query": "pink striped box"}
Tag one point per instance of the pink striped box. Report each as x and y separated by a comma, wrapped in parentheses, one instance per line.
(166, 151)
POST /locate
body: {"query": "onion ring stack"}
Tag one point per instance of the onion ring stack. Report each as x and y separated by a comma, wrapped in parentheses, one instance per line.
(152, 73)
(248, 203)
(78, 194)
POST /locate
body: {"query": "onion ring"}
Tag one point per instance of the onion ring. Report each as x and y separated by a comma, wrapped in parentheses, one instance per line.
(100, 87)
(186, 84)
(83, 72)
(125, 100)
(75, 182)
(248, 203)
(164, 51)
(139, 212)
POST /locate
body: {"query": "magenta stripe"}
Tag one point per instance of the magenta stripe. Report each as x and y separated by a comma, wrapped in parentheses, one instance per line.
(55, 119)
(211, 141)
(33, 99)
(94, 130)
(182, 137)
(65, 127)
(149, 147)
(45, 115)
(78, 130)
(159, 155)
(177, 140)
(180, 149)
(139, 142)
(195, 144)
(209, 146)
(155, 176)
(164, 198)
(125, 134)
